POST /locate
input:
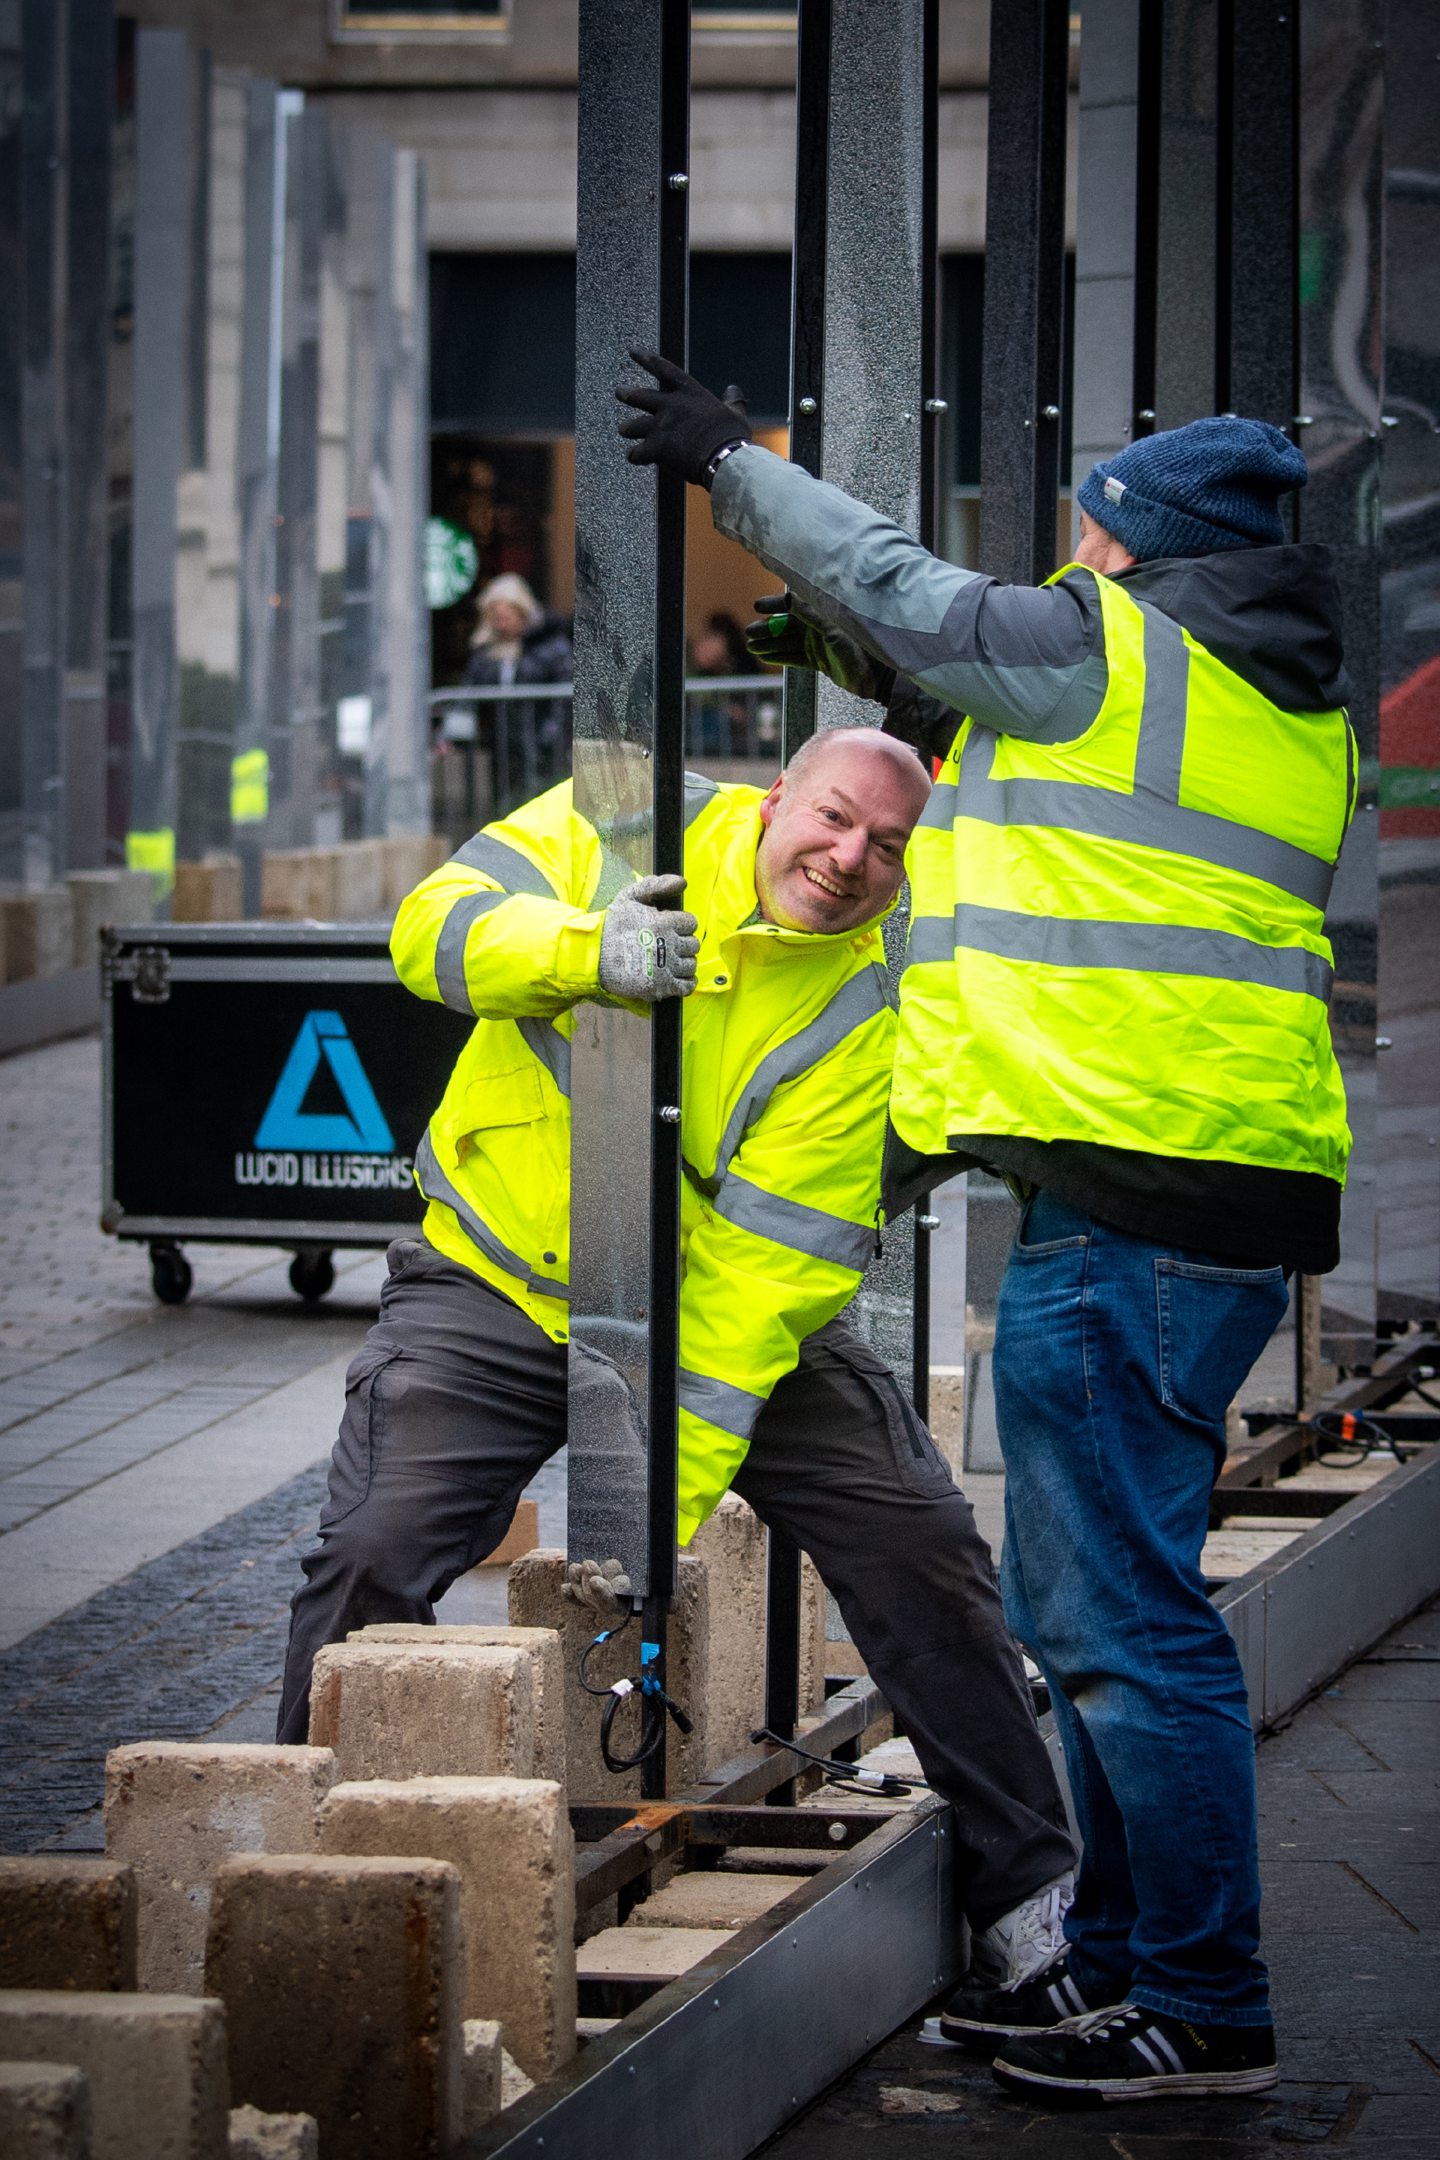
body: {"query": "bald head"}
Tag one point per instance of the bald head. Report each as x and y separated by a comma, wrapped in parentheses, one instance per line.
(836, 823)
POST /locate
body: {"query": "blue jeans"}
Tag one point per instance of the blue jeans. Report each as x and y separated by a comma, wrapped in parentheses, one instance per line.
(1115, 1361)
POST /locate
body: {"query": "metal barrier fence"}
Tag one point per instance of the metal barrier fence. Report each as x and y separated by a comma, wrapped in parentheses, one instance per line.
(496, 745)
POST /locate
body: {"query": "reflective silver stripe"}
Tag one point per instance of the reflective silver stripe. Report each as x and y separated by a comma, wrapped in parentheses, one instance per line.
(931, 940)
(450, 947)
(733, 1409)
(1147, 948)
(1140, 820)
(939, 811)
(1161, 749)
(436, 1186)
(790, 1223)
(856, 1001)
(551, 1047)
(494, 858)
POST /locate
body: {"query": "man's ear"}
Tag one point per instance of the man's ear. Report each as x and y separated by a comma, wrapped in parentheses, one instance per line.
(768, 807)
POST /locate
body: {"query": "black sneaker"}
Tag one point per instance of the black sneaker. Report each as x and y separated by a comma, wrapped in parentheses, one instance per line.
(979, 2017)
(1134, 2054)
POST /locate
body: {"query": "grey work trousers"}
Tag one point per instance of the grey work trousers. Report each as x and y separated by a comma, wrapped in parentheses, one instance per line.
(455, 1400)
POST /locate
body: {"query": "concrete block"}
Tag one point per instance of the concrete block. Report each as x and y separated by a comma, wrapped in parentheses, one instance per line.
(44, 2112)
(732, 1546)
(67, 1922)
(547, 1672)
(413, 1709)
(409, 860)
(257, 2136)
(535, 1601)
(211, 890)
(647, 1953)
(299, 884)
(359, 880)
(480, 2039)
(100, 898)
(710, 1898)
(510, 1839)
(39, 931)
(814, 1657)
(173, 1809)
(342, 1983)
(154, 2066)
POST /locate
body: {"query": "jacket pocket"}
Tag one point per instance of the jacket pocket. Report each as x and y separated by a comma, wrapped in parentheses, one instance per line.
(1213, 1323)
(504, 1098)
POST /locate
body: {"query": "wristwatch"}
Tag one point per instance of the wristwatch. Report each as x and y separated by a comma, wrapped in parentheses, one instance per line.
(726, 450)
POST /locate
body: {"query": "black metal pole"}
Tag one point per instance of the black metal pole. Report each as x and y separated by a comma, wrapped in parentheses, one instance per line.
(807, 296)
(669, 837)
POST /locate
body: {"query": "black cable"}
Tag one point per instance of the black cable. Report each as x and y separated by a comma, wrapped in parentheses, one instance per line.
(1354, 1434)
(655, 1704)
(843, 1773)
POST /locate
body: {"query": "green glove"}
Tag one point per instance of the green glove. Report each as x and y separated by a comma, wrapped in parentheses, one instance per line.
(787, 636)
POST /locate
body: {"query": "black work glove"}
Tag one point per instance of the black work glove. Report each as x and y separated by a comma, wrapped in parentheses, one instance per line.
(787, 636)
(678, 424)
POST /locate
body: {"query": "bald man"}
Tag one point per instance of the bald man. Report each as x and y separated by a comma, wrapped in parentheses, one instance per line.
(459, 1394)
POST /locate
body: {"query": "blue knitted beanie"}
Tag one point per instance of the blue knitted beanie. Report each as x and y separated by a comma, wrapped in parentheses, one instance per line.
(1214, 484)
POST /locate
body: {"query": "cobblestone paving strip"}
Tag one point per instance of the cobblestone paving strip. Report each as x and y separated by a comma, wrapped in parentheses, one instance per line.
(163, 1655)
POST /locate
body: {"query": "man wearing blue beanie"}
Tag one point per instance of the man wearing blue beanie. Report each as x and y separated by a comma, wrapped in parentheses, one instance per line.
(1116, 998)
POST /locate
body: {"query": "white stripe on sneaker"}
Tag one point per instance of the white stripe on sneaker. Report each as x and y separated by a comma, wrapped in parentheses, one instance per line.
(1154, 2033)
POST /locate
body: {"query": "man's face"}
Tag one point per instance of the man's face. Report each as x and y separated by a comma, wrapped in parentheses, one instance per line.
(833, 851)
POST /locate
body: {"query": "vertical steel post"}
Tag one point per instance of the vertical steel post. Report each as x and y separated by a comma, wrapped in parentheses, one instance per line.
(1341, 345)
(879, 373)
(90, 79)
(1257, 236)
(257, 444)
(1409, 983)
(807, 301)
(1024, 288)
(407, 764)
(1103, 400)
(1185, 196)
(36, 826)
(629, 732)
(295, 648)
(12, 491)
(164, 174)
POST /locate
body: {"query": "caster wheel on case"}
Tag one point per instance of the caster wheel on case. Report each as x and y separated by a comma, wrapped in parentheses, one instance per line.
(171, 1274)
(312, 1273)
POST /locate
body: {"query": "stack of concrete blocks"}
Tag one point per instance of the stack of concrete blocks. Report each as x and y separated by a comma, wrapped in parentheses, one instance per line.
(343, 1985)
(510, 1842)
(211, 890)
(548, 1681)
(100, 898)
(355, 881)
(44, 2112)
(152, 2066)
(37, 932)
(174, 1810)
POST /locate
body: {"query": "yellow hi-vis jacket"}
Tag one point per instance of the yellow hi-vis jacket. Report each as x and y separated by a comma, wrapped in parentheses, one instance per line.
(1121, 938)
(788, 1044)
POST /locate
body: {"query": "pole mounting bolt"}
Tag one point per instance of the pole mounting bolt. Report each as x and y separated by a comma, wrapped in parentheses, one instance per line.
(927, 1222)
(668, 1113)
(936, 405)
(1304, 419)
(1146, 412)
(679, 181)
(809, 405)
(1052, 412)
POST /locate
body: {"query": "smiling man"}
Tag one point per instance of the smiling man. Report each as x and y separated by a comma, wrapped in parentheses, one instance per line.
(459, 1394)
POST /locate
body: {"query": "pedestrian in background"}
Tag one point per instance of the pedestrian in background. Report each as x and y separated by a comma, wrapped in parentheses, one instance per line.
(518, 641)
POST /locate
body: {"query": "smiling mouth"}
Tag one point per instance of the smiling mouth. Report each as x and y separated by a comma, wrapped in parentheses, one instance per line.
(836, 892)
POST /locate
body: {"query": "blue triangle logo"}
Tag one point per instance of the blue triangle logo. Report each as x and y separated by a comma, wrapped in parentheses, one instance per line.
(286, 1125)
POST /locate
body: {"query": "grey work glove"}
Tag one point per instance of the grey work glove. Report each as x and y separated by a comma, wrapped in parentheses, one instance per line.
(788, 635)
(648, 945)
(602, 1588)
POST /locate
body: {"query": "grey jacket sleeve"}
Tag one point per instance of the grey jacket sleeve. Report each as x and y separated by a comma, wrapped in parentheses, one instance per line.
(1023, 659)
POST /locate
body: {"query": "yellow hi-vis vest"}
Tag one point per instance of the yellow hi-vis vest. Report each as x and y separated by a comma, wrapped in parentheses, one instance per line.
(789, 1041)
(1120, 939)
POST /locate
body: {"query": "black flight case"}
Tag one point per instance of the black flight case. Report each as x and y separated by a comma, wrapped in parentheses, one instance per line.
(265, 1084)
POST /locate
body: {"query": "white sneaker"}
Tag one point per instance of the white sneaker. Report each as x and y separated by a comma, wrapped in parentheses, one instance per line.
(1021, 1944)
